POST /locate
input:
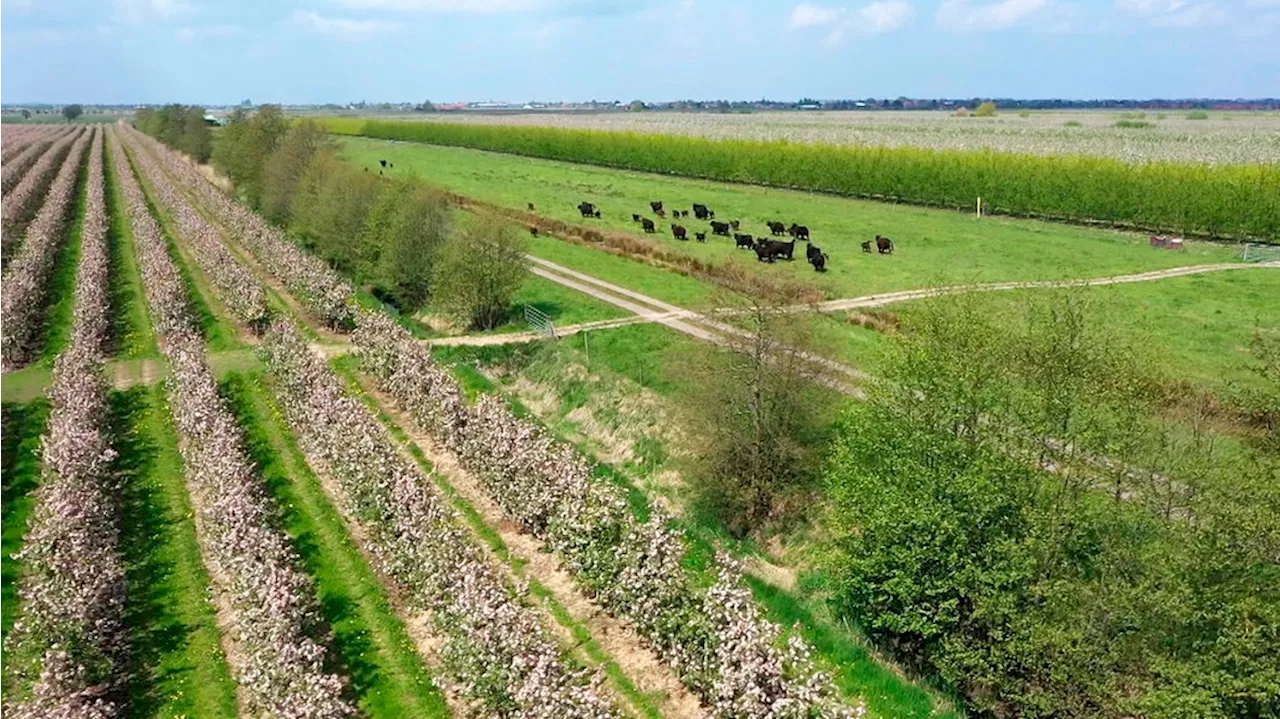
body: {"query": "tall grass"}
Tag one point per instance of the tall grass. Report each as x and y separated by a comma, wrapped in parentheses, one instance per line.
(1221, 201)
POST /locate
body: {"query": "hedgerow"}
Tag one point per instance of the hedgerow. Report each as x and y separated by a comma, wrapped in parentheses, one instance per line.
(1219, 201)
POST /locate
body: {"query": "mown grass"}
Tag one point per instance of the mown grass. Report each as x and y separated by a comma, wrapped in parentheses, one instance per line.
(60, 313)
(131, 334)
(932, 245)
(563, 305)
(23, 426)
(388, 677)
(178, 666)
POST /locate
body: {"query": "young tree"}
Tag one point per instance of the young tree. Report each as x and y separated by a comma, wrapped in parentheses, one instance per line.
(331, 207)
(244, 146)
(757, 409)
(479, 271)
(71, 112)
(284, 168)
(26, 114)
(197, 138)
(406, 231)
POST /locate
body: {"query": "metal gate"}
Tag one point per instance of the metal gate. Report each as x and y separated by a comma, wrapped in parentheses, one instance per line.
(1254, 252)
(539, 321)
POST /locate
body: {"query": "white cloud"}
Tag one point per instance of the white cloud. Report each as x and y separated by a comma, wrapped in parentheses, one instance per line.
(806, 15)
(877, 17)
(341, 26)
(1179, 13)
(445, 6)
(963, 15)
(139, 11)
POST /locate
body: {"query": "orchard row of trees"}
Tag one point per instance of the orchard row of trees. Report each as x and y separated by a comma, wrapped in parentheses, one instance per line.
(396, 237)
(181, 127)
(1020, 514)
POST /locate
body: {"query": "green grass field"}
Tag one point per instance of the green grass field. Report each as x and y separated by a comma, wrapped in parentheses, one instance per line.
(23, 425)
(131, 333)
(933, 246)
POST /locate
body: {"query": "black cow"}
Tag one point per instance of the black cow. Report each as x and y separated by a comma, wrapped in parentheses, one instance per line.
(657, 206)
(679, 233)
(884, 244)
(777, 228)
(587, 209)
(533, 231)
(635, 217)
(720, 228)
(800, 232)
(702, 213)
(743, 241)
(818, 259)
(391, 164)
(866, 246)
(773, 249)
(733, 224)
(384, 162)
(647, 224)
(531, 207)
(700, 236)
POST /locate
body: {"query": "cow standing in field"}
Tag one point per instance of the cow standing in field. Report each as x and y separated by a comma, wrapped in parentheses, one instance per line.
(866, 246)
(384, 162)
(647, 224)
(635, 217)
(701, 212)
(533, 231)
(884, 245)
(587, 209)
(769, 250)
(700, 236)
(531, 207)
(720, 228)
(656, 206)
(734, 224)
(743, 242)
(817, 258)
(679, 233)
(777, 228)
(800, 232)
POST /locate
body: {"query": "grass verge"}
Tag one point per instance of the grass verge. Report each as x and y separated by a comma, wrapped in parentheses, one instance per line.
(179, 669)
(23, 426)
(131, 334)
(388, 677)
(60, 313)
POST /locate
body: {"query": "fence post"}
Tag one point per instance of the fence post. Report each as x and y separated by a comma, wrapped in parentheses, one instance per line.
(979, 208)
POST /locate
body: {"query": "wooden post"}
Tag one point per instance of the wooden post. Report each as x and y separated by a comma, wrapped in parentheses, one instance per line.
(587, 348)
(979, 207)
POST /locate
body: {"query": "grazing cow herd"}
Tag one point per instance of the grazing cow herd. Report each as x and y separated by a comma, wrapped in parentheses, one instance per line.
(766, 249)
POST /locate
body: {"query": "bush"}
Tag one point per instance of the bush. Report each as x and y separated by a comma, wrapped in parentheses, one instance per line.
(330, 210)
(283, 169)
(243, 146)
(181, 127)
(1197, 115)
(406, 229)
(480, 271)
(1134, 124)
(986, 109)
(1072, 123)
(1163, 196)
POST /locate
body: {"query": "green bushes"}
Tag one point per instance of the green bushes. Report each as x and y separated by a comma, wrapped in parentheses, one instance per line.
(1197, 115)
(1227, 201)
(479, 273)
(1032, 577)
(181, 127)
(1134, 124)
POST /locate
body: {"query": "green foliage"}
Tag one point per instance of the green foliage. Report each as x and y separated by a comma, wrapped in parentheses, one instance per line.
(1072, 123)
(479, 271)
(331, 207)
(1197, 115)
(71, 112)
(986, 109)
(283, 169)
(636, 106)
(1134, 124)
(243, 146)
(976, 535)
(181, 127)
(1218, 200)
(414, 224)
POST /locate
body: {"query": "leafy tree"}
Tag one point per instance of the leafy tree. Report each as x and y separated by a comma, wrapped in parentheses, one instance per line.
(403, 236)
(330, 209)
(479, 272)
(243, 146)
(637, 106)
(757, 408)
(986, 109)
(285, 166)
(71, 112)
(26, 114)
(426, 106)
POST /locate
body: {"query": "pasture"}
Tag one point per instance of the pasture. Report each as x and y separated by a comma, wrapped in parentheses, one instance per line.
(933, 246)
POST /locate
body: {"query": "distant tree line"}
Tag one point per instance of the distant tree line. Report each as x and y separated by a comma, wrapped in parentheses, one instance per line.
(395, 237)
(181, 127)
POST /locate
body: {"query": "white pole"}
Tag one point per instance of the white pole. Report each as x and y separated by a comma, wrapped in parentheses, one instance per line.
(979, 207)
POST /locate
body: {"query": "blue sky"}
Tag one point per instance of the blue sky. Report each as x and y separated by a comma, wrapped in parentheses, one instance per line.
(303, 51)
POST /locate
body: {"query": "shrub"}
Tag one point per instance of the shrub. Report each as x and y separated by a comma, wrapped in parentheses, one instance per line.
(283, 169)
(331, 207)
(1197, 115)
(1072, 123)
(1163, 196)
(480, 271)
(986, 109)
(1134, 124)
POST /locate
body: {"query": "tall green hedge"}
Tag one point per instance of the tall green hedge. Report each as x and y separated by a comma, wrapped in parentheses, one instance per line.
(1218, 201)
